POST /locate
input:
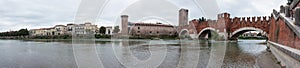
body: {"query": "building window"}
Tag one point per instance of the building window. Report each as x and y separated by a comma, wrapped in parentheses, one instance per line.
(53, 33)
(150, 31)
(138, 31)
(157, 32)
(108, 32)
(70, 29)
(138, 27)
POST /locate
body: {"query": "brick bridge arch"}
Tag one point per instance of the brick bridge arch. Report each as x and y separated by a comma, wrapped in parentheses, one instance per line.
(206, 31)
(183, 32)
(237, 26)
(238, 32)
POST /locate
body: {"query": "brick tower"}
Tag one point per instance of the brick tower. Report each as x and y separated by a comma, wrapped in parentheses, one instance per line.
(183, 17)
(124, 22)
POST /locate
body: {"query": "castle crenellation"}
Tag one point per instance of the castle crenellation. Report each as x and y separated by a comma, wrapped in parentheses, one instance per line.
(255, 19)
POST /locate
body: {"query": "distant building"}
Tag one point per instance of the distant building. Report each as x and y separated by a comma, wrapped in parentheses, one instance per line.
(109, 30)
(146, 29)
(70, 28)
(250, 34)
(86, 28)
(151, 29)
(42, 32)
(60, 30)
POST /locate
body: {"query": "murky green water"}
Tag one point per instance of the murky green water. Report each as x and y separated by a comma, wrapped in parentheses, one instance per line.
(133, 53)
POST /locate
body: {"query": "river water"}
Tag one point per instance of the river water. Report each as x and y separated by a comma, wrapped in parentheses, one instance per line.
(134, 53)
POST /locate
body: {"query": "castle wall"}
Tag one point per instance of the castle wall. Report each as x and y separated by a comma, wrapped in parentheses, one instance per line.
(152, 30)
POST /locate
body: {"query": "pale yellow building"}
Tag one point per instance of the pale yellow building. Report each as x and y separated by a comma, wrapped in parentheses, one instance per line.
(86, 28)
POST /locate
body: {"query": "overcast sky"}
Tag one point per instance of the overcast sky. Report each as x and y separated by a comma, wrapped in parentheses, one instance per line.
(32, 14)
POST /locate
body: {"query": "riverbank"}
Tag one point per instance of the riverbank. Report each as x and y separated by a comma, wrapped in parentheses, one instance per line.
(96, 36)
(253, 38)
(267, 57)
(286, 56)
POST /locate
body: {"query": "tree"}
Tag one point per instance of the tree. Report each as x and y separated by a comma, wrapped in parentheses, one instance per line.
(202, 19)
(259, 34)
(23, 32)
(102, 30)
(116, 29)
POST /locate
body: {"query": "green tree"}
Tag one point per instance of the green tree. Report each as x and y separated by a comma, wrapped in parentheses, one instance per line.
(259, 34)
(202, 19)
(23, 32)
(116, 29)
(102, 30)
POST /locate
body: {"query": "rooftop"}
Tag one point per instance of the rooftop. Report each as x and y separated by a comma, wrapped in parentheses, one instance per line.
(151, 24)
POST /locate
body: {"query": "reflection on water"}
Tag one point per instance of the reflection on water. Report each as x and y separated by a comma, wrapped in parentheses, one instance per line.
(139, 53)
(243, 54)
(24, 54)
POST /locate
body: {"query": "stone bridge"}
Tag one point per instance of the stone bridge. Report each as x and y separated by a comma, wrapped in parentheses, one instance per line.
(224, 28)
(281, 28)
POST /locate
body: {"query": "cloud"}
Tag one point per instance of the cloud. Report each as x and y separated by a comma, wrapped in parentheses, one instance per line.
(138, 9)
(250, 7)
(17, 14)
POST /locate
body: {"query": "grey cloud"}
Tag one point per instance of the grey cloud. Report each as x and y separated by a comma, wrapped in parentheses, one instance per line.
(16, 14)
(249, 7)
(35, 13)
(139, 9)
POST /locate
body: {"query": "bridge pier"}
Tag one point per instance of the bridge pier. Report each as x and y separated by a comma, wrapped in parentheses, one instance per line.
(219, 36)
(193, 36)
(223, 36)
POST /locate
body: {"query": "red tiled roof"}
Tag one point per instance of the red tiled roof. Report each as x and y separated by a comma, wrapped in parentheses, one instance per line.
(151, 24)
(43, 29)
(71, 24)
(60, 25)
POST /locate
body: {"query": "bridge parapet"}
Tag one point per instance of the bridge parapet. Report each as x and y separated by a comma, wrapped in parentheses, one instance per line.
(284, 31)
(284, 36)
(260, 22)
(253, 19)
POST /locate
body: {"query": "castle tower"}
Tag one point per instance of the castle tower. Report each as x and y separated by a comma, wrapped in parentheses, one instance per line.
(124, 22)
(183, 17)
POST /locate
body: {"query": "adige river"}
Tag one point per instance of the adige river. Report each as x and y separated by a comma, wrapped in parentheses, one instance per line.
(117, 53)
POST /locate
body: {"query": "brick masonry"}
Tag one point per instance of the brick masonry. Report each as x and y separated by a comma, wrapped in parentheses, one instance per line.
(276, 28)
(229, 25)
(281, 33)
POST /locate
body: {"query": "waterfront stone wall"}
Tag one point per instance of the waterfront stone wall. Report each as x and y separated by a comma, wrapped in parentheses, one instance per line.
(287, 57)
(150, 29)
